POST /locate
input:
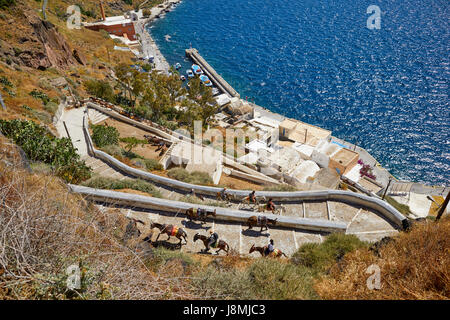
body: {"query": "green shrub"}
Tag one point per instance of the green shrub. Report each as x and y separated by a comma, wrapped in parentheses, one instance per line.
(4, 81)
(114, 184)
(147, 67)
(321, 256)
(40, 95)
(99, 88)
(39, 145)
(105, 34)
(273, 279)
(132, 142)
(6, 3)
(41, 116)
(223, 284)
(113, 150)
(152, 164)
(264, 279)
(402, 208)
(179, 174)
(160, 257)
(51, 107)
(131, 155)
(199, 177)
(196, 177)
(104, 136)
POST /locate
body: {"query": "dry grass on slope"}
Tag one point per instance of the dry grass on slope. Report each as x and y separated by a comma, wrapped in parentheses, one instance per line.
(413, 266)
(44, 229)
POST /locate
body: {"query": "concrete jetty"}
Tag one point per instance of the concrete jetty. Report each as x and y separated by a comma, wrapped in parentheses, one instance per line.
(211, 73)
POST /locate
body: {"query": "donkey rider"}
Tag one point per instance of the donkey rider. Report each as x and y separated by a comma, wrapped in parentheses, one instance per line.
(213, 237)
(269, 248)
(252, 197)
(270, 205)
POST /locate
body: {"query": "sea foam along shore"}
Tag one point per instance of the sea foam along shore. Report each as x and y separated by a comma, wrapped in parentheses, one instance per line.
(149, 46)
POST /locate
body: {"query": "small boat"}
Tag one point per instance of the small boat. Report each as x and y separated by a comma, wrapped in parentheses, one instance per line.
(205, 80)
(197, 69)
(177, 65)
(189, 73)
(182, 78)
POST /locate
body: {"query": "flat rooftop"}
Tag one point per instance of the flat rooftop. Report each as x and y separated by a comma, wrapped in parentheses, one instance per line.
(303, 132)
(344, 156)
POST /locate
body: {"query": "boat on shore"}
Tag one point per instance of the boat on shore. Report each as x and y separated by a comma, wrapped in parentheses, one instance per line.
(182, 78)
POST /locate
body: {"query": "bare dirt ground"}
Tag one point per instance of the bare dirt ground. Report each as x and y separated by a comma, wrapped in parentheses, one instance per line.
(147, 151)
(235, 183)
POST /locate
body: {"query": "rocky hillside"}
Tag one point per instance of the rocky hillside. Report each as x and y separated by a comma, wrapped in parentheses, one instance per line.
(47, 58)
(42, 61)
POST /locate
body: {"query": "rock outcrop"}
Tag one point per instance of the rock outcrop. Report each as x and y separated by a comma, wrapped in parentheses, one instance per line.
(52, 49)
(36, 43)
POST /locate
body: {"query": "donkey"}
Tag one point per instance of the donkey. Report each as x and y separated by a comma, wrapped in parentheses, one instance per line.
(170, 230)
(222, 245)
(199, 214)
(153, 140)
(223, 196)
(279, 209)
(277, 253)
(260, 221)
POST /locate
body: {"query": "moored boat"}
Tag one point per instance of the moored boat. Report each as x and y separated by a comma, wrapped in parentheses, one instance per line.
(197, 70)
(189, 73)
(205, 80)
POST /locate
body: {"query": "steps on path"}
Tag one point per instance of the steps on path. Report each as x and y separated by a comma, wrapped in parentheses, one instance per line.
(96, 116)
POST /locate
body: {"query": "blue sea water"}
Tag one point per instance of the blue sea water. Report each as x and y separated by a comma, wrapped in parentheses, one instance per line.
(315, 60)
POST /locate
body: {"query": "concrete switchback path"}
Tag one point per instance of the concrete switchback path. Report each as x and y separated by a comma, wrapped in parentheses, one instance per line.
(362, 222)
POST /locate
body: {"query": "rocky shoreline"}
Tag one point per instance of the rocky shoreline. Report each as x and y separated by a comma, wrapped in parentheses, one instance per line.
(149, 47)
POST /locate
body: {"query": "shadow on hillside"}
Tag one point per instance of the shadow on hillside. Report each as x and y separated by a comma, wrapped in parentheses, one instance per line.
(255, 233)
(195, 225)
(164, 243)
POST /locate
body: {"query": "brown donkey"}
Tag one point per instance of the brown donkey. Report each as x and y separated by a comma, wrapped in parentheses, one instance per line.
(277, 253)
(222, 245)
(170, 230)
(199, 214)
(260, 221)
